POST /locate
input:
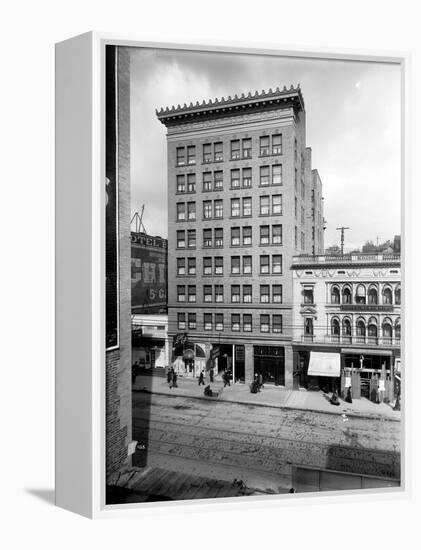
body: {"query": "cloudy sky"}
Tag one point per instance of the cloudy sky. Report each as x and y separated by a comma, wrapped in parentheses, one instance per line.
(353, 128)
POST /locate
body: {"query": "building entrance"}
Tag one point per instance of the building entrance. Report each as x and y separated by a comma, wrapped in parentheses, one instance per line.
(269, 361)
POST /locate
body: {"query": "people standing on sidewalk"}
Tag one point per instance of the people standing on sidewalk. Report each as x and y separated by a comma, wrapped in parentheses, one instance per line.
(260, 379)
(169, 375)
(174, 379)
(334, 399)
(226, 378)
(211, 374)
(348, 397)
(201, 378)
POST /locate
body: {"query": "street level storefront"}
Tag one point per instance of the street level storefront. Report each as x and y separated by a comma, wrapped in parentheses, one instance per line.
(369, 372)
(150, 344)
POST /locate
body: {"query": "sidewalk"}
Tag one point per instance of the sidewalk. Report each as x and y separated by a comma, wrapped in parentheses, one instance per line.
(270, 396)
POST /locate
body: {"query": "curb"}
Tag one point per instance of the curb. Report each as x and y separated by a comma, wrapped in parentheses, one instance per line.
(373, 416)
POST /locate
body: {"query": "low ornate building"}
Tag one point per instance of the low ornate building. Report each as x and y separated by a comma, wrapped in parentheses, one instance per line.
(347, 322)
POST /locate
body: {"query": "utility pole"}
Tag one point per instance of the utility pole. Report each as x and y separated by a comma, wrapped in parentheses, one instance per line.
(342, 230)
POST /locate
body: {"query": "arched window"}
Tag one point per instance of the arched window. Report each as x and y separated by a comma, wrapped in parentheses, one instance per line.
(335, 328)
(346, 295)
(360, 296)
(335, 295)
(387, 331)
(398, 329)
(360, 330)
(387, 296)
(372, 330)
(372, 295)
(346, 330)
(398, 295)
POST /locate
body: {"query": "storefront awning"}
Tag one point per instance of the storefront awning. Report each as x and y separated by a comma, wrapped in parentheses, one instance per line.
(324, 364)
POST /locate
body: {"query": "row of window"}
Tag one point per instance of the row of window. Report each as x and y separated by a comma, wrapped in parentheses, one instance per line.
(239, 149)
(215, 293)
(215, 265)
(214, 181)
(268, 205)
(362, 296)
(215, 321)
(240, 236)
(371, 328)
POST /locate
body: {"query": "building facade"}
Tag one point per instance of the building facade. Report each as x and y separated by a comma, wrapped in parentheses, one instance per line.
(347, 308)
(242, 201)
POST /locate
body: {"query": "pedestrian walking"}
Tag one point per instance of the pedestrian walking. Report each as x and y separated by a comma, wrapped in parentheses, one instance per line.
(201, 378)
(174, 379)
(169, 375)
(226, 378)
(348, 397)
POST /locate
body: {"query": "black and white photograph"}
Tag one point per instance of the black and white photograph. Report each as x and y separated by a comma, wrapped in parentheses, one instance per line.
(253, 275)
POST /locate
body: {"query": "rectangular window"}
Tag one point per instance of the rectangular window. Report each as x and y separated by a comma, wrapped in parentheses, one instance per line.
(192, 293)
(181, 293)
(207, 266)
(264, 323)
(218, 180)
(295, 149)
(246, 148)
(302, 215)
(207, 152)
(247, 265)
(276, 323)
(207, 293)
(235, 208)
(276, 234)
(219, 237)
(276, 204)
(277, 174)
(181, 211)
(181, 158)
(264, 176)
(235, 178)
(277, 294)
(235, 236)
(218, 209)
(264, 146)
(181, 183)
(235, 149)
(235, 322)
(246, 206)
(235, 265)
(181, 239)
(191, 211)
(219, 321)
(218, 151)
(181, 321)
(191, 266)
(277, 144)
(207, 238)
(219, 265)
(247, 296)
(191, 238)
(277, 264)
(246, 177)
(264, 234)
(235, 294)
(191, 154)
(308, 296)
(192, 321)
(296, 237)
(191, 183)
(207, 321)
(207, 181)
(302, 241)
(207, 210)
(181, 266)
(264, 264)
(264, 294)
(247, 319)
(219, 294)
(247, 236)
(264, 205)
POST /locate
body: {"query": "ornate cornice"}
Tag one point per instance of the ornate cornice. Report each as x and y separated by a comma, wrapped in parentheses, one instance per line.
(220, 108)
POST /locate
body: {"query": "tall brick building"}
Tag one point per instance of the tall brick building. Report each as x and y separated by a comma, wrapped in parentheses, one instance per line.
(243, 200)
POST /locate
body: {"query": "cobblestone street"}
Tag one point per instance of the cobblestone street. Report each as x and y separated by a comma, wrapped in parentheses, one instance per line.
(258, 444)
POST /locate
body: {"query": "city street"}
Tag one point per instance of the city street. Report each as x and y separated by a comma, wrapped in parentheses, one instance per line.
(258, 444)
